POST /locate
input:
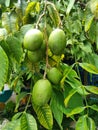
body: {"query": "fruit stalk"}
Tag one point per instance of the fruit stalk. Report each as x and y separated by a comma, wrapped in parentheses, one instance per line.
(44, 12)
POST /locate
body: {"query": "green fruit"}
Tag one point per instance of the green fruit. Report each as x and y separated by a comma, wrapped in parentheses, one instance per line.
(35, 56)
(54, 75)
(33, 39)
(57, 41)
(41, 93)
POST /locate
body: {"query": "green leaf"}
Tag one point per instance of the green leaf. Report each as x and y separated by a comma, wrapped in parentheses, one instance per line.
(16, 48)
(71, 93)
(91, 124)
(25, 28)
(59, 99)
(92, 89)
(81, 124)
(92, 33)
(53, 13)
(44, 115)
(85, 123)
(5, 47)
(28, 122)
(17, 116)
(32, 9)
(89, 68)
(7, 3)
(56, 109)
(88, 21)
(3, 33)
(96, 36)
(94, 107)
(76, 84)
(13, 125)
(4, 64)
(9, 21)
(70, 5)
(19, 98)
(76, 111)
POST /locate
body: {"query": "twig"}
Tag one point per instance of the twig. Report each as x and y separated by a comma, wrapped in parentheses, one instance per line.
(44, 12)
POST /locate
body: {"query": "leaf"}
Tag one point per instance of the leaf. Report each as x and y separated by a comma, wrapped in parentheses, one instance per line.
(13, 125)
(59, 99)
(81, 124)
(94, 107)
(25, 28)
(92, 89)
(91, 124)
(17, 116)
(16, 48)
(76, 111)
(7, 3)
(53, 13)
(3, 33)
(55, 107)
(44, 115)
(9, 21)
(4, 64)
(28, 122)
(88, 21)
(96, 36)
(19, 98)
(92, 32)
(76, 84)
(89, 68)
(71, 93)
(70, 5)
(32, 9)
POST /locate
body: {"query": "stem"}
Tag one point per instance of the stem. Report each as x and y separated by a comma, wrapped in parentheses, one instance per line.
(44, 12)
(39, 19)
(46, 41)
(27, 104)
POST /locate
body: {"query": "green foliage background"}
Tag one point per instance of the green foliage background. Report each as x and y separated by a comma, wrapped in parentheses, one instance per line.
(69, 98)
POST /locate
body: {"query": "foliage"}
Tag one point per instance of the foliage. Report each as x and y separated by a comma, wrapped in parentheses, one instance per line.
(69, 97)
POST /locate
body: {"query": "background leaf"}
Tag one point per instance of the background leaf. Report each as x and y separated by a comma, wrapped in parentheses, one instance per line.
(15, 47)
(4, 64)
(91, 124)
(70, 5)
(76, 110)
(94, 107)
(89, 68)
(92, 89)
(81, 124)
(14, 125)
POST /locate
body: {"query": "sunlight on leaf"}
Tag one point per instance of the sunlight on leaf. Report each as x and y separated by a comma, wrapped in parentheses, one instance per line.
(28, 122)
(76, 110)
(4, 64)
(81, 124)
(71, 93)
(44, 115)
(89, 68)
(70, 5)
(92, 89)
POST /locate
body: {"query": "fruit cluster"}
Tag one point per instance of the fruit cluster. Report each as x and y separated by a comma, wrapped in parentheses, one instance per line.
(36, 48)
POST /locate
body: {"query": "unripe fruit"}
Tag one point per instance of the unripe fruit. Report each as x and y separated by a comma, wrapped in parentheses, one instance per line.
(35, 56)
(41, 93)
(54, 75)
(57, 41)
(33, 39)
